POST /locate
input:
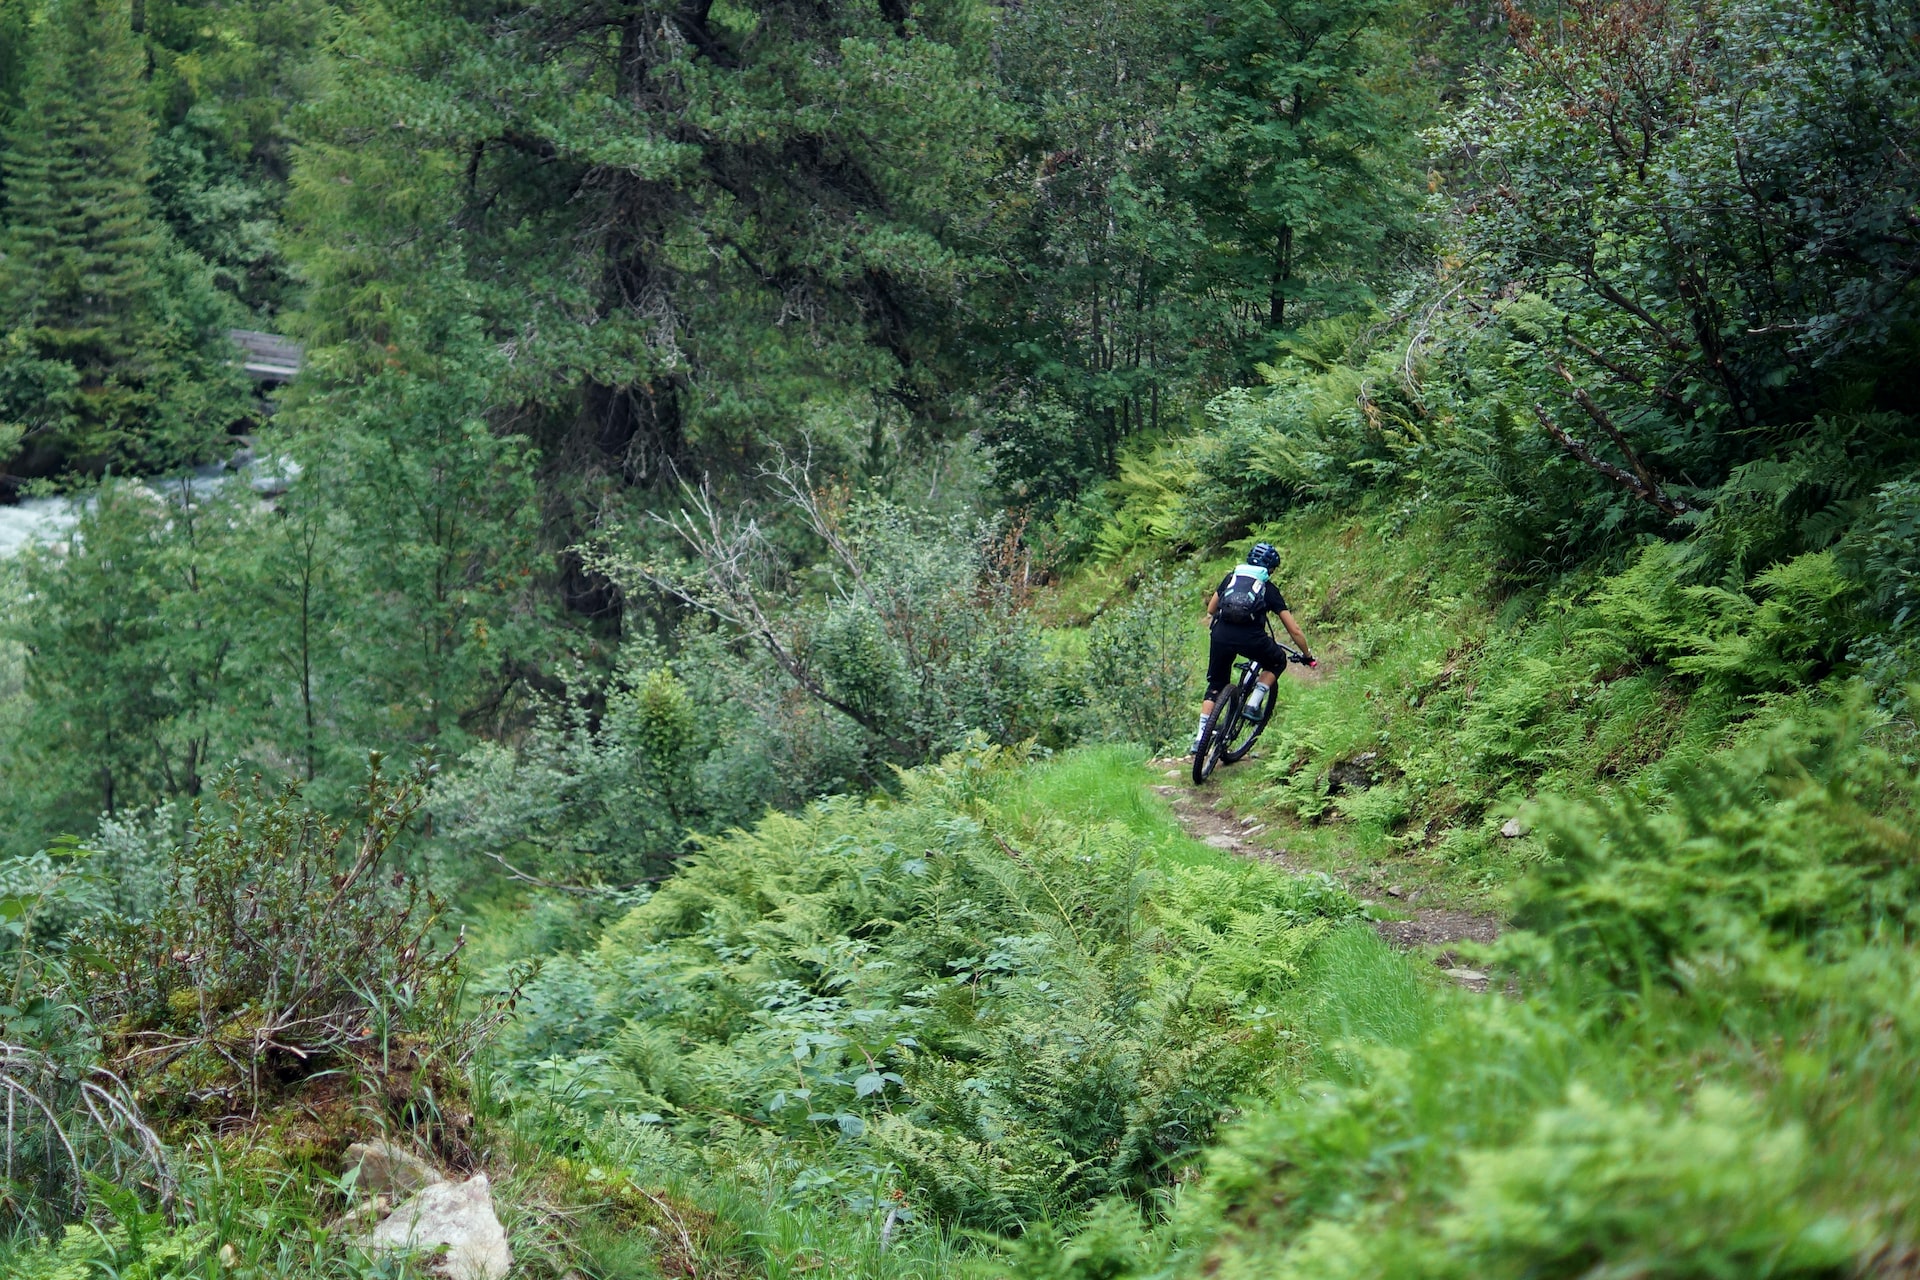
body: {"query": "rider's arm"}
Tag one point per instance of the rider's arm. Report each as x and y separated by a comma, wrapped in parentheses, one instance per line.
(1293, 629)
(1213, 604)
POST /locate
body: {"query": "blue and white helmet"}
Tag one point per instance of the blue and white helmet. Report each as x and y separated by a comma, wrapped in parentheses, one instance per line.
(1263, 556)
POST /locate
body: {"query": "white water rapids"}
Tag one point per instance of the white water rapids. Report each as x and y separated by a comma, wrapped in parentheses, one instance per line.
(47, 520)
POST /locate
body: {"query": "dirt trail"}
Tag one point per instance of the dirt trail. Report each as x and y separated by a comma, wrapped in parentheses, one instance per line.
(1431, 928)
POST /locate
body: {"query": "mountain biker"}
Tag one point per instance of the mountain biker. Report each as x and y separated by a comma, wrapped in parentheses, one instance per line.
(1237, 617)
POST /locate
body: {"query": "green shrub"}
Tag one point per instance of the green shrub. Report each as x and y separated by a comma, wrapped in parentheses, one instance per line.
(277, 955)
(1141, 680)
(1712, 1193)
(610, 781)
(1802, 837)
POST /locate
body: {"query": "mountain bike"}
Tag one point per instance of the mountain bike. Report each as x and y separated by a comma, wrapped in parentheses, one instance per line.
(1230, 732)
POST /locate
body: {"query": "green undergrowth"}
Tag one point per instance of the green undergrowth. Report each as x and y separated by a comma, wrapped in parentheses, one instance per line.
(1701, 1066)
(1012, 990)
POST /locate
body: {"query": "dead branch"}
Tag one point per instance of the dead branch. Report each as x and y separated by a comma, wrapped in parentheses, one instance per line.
(729, 551)
(1605, 423)
(1625, 479)
(68, 1103)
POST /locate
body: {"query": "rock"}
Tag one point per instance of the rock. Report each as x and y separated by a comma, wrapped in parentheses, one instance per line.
(388, 1167)
(1352, 775)
(1395, 891)
(1223, 842)
(458, 1215)
(1513, 830)
(364, 1214)
(1466, 975)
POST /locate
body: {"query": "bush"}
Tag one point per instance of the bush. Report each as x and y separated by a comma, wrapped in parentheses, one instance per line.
(612, 779)
(1711, 1193)
(1140, 673)
(912, 627)
(67, 1120)
(277, 957)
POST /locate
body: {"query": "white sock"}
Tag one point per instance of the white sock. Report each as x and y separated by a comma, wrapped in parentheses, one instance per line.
(1199, 728)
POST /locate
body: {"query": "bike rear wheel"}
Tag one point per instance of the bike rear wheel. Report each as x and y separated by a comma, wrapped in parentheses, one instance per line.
(1246, 730)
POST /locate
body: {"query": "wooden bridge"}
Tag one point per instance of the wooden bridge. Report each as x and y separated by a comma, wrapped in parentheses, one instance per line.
(269, 358)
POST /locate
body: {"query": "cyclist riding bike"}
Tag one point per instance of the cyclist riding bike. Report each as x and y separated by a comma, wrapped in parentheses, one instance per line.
(1237, 617)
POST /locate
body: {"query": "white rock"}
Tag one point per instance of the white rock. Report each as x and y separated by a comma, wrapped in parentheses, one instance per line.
(386, 1166)
(458, 1215)
(1466, 975)
(1513, 830)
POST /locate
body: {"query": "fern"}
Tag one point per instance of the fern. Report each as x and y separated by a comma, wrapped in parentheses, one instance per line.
(1009, 1016)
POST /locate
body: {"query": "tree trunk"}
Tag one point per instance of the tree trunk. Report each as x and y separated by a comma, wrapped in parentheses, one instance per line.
(1282, 277)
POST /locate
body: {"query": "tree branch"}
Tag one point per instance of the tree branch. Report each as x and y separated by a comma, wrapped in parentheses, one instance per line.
(731, 594)
(1642, 489)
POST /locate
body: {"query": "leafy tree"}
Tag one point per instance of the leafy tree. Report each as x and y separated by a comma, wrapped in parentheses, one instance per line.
(129, 641)
(1704, 203)
(224, 94)
(1094, 305)
(1293, 144)
(416, 523)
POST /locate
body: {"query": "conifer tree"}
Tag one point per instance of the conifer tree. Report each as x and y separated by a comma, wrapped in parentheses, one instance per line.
(112, 352)
(81, 234)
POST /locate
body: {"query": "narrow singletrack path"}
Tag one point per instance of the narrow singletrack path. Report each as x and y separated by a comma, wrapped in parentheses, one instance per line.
(1431, 929)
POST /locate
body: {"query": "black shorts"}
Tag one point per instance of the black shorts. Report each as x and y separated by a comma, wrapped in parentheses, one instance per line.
(1240, 642)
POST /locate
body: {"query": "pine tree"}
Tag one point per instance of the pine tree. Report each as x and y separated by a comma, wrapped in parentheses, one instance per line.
(112, 346)
(81, 234)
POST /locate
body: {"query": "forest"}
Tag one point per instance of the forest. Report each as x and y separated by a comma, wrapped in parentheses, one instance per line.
(601, 602)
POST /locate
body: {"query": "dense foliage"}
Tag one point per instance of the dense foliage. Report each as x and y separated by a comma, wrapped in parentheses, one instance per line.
(995, 1019)
(772, 455)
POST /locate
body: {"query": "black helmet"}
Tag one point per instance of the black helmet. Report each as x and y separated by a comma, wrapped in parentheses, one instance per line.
(1263, 556)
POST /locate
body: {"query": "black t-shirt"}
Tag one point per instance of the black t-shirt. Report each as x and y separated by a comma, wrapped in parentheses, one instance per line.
(1271, 601)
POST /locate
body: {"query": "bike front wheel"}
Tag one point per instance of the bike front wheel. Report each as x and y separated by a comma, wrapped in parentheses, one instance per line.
(1221, 727)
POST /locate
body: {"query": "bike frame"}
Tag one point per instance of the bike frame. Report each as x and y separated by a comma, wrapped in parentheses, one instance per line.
(1229, 712)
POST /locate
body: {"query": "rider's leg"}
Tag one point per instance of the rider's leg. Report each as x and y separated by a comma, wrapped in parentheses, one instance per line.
(1206, 709)
(1219, 668)
(1257, 704)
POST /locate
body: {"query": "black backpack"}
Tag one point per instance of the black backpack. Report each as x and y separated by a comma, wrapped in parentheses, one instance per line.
(1241, 600)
